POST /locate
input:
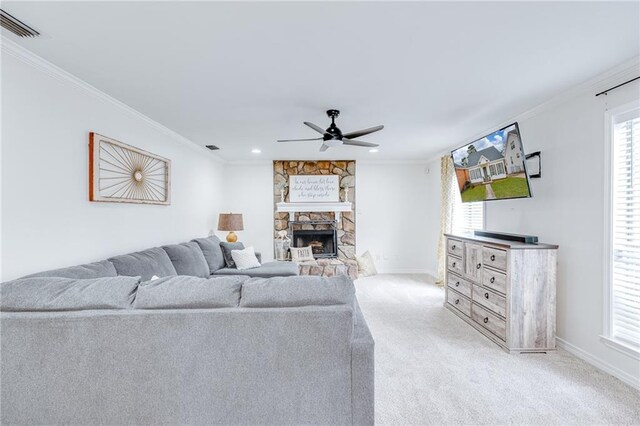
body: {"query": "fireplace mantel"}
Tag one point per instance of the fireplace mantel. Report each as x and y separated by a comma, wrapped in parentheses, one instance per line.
(335, 206)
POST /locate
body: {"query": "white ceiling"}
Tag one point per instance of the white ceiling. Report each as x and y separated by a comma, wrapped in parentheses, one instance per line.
(241, 75)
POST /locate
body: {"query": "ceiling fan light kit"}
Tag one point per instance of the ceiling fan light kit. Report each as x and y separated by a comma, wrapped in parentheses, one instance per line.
(333, 136)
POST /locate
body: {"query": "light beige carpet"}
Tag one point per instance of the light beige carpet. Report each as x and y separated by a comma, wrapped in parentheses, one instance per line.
(432, 368)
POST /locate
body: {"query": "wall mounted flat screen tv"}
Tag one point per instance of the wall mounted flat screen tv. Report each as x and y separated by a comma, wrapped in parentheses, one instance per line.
(492, 167)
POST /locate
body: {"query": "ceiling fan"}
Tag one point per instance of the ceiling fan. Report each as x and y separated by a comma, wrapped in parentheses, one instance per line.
(334, 137)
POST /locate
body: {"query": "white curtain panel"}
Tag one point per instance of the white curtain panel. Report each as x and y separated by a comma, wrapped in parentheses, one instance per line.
(446, 211)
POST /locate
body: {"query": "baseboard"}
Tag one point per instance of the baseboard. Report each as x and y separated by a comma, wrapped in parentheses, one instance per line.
(405, 271)
(598, 363)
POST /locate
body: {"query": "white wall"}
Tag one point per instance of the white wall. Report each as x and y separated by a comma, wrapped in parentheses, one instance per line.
(392, 208)
(567, 209)
(47, 220)
(392, 214)
(249, 190)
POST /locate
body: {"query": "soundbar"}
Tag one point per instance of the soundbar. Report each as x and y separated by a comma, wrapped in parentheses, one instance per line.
(527, 239)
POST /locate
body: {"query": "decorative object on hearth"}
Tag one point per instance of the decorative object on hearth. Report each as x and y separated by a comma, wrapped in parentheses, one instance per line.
(121, 173)
(230, 222)
(366, 266)
(346, 194)
(333, 136)
(301, 254)
(282, 243)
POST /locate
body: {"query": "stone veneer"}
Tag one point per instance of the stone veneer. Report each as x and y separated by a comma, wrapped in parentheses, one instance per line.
(345, 263)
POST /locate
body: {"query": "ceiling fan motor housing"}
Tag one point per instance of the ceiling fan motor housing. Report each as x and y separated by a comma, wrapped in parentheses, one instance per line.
(333, 133)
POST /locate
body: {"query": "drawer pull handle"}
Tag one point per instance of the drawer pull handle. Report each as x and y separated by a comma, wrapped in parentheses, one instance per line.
(453, 247)
(486, 295)
(492, 280)
(457, 283)
(486, 320)
(453, 265)
(457, 301)
(479, 265)
(493, 257)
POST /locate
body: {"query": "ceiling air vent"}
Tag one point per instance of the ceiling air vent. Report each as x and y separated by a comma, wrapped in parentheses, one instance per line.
(16, 26)
(212, 147)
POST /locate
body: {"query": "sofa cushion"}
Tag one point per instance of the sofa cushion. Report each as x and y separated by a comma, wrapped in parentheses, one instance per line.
(297, 291)
(226, 251)
(266, 270)
(212, 251)
(145, 264)
(188, 259)
(67, 294)
(245, 259)
(90, 270)
(184, 292)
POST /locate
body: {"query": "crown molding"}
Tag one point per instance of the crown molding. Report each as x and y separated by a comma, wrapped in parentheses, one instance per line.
(366, 162)
(616, 75)
(26, 56)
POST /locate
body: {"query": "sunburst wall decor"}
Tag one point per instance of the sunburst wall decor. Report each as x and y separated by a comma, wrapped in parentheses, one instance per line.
(121, 173)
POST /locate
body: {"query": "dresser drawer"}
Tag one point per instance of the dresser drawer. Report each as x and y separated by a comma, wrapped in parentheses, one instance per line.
(459, 285)
(490, 300)
(454, 247)
(494, 280)
(494, 258)
(454, 264)
(459, 302)
(489, 321)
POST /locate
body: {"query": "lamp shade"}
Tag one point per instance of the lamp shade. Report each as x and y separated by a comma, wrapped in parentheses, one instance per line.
(230, 222)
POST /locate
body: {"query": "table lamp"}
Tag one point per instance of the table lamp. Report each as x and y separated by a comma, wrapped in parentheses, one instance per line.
(230, 222)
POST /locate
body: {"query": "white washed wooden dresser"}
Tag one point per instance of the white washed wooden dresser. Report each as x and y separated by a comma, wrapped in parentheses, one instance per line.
(506, 290)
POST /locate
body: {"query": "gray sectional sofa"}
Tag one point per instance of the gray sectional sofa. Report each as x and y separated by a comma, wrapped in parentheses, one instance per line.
(102, 343)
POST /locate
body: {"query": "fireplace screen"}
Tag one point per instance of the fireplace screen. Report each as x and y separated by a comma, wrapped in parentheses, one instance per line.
(323, 242)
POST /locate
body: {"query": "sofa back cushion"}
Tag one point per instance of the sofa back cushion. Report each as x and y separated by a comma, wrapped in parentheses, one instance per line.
(212, 251)
(188, 259)
(90, 270)
(184, 292)
(297, 291)
(67, 294)
(145, 264)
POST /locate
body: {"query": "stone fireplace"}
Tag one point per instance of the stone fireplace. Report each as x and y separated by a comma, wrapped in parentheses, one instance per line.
(330, 235)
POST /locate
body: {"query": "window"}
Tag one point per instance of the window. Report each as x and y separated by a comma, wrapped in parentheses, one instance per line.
(466, 217)
(622, 320)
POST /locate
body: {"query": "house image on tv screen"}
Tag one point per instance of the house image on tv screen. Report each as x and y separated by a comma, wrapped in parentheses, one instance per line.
(492, 167)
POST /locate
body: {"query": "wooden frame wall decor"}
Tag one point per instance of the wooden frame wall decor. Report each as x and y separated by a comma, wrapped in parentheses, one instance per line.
(121, 173)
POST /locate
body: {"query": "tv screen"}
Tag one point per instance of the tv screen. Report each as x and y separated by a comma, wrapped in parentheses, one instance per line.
(493, 167)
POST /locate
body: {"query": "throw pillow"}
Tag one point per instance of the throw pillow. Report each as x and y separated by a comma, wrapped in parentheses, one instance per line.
(226, 251)
(245, 259)
(366, 267)
(301, 254)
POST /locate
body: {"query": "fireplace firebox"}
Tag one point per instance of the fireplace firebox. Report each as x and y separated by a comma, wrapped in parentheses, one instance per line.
(323, 242)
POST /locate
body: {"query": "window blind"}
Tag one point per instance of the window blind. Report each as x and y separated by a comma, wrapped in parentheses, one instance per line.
(625, 222)
(466, 217)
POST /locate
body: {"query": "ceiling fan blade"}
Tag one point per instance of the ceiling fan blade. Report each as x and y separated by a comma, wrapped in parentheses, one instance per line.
(323, 148)
(299, 140)
(363, 132)
(316, 128)
(346, 141)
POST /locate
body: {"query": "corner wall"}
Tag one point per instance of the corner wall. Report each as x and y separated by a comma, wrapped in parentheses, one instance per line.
(47, 219)
(567, 209)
